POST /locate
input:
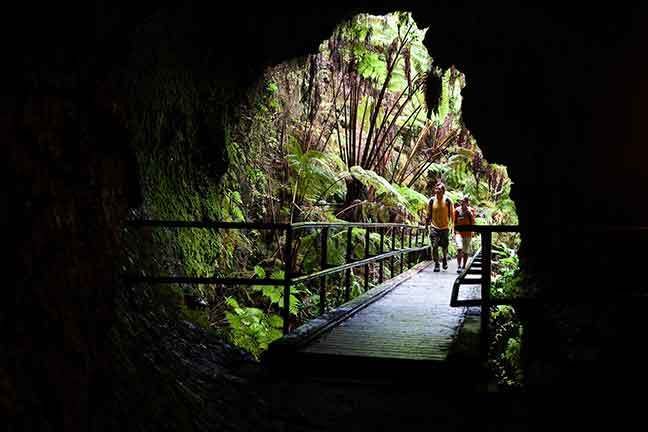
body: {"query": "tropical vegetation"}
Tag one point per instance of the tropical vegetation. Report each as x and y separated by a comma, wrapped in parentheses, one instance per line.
(359, 131)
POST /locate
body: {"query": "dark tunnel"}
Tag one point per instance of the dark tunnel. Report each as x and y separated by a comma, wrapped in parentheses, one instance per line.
(557, 93)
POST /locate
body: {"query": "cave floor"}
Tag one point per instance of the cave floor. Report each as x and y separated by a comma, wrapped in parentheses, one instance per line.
(318, 405)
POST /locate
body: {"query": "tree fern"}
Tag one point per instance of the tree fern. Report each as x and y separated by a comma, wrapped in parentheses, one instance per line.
(402, 199)
(417, 202)
(315, 173)
(383, 189)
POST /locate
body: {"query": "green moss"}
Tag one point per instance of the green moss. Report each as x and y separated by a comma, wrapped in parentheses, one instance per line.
(198, 317)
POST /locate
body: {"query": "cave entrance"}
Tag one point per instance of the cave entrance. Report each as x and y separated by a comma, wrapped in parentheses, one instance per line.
(360, 131)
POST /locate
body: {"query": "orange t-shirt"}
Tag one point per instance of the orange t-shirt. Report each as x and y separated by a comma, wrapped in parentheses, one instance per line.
(464, 218)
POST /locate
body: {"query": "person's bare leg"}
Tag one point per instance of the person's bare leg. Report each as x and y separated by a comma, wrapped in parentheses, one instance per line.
(459, 254)
(467, 250)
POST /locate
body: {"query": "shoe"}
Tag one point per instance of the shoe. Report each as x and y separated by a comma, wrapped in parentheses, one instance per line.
(445, 265)
(436, 267)
(458, 269)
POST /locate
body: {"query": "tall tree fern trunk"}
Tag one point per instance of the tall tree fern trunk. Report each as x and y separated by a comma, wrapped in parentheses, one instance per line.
(356, 193)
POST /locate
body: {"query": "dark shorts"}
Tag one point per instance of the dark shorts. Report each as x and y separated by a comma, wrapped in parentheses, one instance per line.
(439, 237)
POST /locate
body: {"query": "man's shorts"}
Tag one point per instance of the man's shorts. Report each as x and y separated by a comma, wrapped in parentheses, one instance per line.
(439, 237)
(463, 243)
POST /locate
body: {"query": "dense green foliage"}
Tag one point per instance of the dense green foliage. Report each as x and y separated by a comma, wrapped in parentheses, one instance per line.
(506, 343)
(344, 134)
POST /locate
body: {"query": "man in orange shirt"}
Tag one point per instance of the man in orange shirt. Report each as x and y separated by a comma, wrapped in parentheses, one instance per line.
(440, 214)
(464, 215)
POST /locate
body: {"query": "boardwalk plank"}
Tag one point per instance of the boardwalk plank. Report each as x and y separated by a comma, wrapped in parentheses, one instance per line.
(412, 322)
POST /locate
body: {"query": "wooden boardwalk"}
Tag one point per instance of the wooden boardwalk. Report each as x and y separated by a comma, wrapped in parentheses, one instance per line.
(414, 321)
(406, 325)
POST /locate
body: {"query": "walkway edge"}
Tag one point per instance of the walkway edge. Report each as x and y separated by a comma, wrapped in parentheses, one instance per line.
(309, 331)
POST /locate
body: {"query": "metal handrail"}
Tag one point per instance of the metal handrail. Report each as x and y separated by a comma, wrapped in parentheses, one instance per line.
(488, 228)
(302, 225)
(454, 297)
(261, 225)
(354, 264)
(486, 232)
(207, 224)
(289, 278)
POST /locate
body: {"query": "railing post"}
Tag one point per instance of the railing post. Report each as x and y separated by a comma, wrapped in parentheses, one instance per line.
(287, 276)
(366, 275)
(349, 257)
(393, 246)
(416, 243)
(381, 272)
(486, 241)
(323, 265)
(409, 255)
(402, 244)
